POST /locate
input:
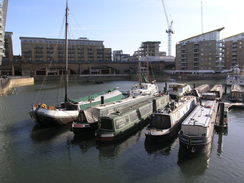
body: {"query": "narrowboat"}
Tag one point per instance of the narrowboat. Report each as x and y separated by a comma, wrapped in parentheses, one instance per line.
(121, 123)
(165, 122)
(88, 119)
(176, 90)
(197, 129)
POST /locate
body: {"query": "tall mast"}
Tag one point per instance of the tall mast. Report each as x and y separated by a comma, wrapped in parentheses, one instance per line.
(139, 70)
(66, 53)
(202, 16)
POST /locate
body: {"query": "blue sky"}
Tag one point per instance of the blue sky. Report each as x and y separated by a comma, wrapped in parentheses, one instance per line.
(122, 24)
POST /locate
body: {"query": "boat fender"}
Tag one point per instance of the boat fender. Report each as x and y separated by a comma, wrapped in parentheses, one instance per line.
(44, 106)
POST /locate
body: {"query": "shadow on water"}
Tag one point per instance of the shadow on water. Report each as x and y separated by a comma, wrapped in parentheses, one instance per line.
(194, 164)
(220, 134)
(20, 126)
(159, 146)
(114, 149)
(109, 150)
(45, 133)
(84, 142)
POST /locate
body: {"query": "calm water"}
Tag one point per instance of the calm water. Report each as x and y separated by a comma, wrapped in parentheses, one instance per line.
(29, 154)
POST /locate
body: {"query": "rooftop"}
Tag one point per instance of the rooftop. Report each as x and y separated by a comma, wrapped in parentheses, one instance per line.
(199, 35)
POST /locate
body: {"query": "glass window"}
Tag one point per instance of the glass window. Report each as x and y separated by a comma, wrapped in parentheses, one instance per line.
(161, 122)
(106, 123)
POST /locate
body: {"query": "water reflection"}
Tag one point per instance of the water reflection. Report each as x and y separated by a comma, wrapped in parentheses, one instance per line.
(41, 134)
(194, 164)
(113, 149)
(84, 142)
(160, 147)
(220, 140)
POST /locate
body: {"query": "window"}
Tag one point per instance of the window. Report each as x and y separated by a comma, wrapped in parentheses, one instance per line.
(106, 123)
(161, 121)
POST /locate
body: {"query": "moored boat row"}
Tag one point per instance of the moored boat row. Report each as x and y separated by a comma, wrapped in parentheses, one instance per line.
(120, 124)
(69, 111)
(89, 118)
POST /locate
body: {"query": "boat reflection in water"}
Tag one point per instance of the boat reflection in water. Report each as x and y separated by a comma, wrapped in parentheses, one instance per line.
(114, 149)
(160, 147)
(194, 164)
(220, 140)
(84, 142)
(46, 133)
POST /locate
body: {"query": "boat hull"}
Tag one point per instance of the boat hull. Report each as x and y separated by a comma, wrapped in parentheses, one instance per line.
(111, 137)
(166, 136)
(194, 149)
(47, 117)
(84, 129)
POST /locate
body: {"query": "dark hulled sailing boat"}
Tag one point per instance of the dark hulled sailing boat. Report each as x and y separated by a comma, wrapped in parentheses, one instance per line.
(68, 111)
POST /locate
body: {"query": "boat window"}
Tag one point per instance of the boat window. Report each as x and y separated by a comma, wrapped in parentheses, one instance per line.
(82, 117)
(160, 122)
(106, 123)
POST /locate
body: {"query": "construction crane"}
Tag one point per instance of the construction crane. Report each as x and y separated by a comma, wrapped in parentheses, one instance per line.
(169, 31)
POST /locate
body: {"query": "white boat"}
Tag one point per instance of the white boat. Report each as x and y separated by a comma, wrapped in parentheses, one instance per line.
(198, 91)
(178, 89)
(197, 129)
(69, 110)
(218, 90)
(236, 93)
(144, 89)
(165, 123)
(236, 77)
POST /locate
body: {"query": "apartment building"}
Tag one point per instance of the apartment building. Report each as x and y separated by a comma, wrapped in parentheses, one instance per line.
(36, 49)
(8, 45)
(149, 48)
(3, 16)
(234, 51)
(119, 56)
(204, 52)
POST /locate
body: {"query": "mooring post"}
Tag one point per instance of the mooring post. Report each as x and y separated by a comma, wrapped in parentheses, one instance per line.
(221, 113)
(165, 87)
(154, 105)
(102, 99)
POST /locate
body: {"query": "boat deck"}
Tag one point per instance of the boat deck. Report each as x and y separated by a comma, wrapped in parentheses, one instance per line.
(201, 115)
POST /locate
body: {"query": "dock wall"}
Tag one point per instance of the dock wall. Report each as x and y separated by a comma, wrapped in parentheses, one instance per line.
(88, 78)
(7, 85)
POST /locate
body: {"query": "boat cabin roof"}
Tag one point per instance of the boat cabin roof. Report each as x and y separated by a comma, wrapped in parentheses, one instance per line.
(121, 103)
(217, 88)
(201, 115)
(236, 88)
(179, 105)
(177, 85)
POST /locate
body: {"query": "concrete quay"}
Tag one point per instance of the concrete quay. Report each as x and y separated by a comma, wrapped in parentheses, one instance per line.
(8, 84)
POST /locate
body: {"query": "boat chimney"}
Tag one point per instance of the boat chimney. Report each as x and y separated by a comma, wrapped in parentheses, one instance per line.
(165, 87)
(102, 99)
(225, 89)
(154, 105)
